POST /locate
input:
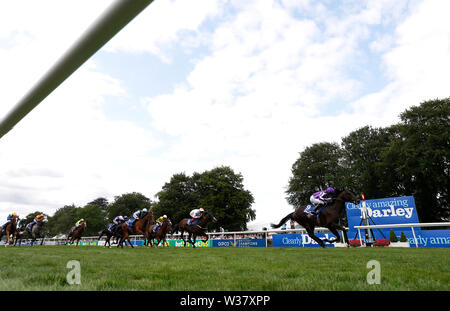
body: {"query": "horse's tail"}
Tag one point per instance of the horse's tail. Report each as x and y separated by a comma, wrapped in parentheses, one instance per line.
(282, 221)
(101, 234)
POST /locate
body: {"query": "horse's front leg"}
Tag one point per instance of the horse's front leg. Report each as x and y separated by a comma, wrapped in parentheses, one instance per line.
(317, 239)
(333, 229)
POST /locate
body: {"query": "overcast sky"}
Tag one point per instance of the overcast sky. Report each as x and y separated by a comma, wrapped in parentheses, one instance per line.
(192, 85)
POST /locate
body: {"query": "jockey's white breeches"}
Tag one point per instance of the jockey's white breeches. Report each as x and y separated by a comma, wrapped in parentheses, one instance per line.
(316, 201)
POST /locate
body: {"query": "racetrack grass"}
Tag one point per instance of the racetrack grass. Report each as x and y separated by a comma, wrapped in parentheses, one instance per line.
(223, 269)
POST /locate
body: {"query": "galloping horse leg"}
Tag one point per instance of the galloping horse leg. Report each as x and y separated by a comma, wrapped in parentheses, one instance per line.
(333, 230)
(310, 232)
(182, 237)
(194, 238)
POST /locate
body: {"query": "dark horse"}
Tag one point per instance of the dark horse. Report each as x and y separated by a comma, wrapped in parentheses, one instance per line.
(139, 227)
(10, 230)
(75, 234)
(328, 217)
(160, 235)
(35, 233)
(116, 234)
(195, 230)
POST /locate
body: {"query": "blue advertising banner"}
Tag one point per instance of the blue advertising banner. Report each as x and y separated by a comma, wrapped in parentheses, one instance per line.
(398, 210)
(300, 240)
(430, 238)
(238, 243)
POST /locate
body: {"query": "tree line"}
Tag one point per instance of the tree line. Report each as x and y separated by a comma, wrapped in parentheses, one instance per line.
(219, 191)
(410, 158)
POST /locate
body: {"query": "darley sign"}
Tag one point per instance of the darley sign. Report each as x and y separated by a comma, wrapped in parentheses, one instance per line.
(397, 210)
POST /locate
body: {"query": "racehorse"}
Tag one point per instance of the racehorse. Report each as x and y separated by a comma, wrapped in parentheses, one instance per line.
(10, 230)
(195, 230)
(35, 233)
(328, 217)
(139, 227)
(117, 234)
(20, 231)
(75, 234)
(165, 227)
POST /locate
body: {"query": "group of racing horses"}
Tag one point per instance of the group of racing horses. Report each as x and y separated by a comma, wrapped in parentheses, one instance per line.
(328, 218)
(146, 227)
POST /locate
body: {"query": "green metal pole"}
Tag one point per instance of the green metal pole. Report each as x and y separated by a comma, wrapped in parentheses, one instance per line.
(116, 16)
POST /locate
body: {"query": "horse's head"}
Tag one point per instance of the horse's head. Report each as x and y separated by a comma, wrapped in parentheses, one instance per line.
(209, 217)
(169, 225)
(348, 196)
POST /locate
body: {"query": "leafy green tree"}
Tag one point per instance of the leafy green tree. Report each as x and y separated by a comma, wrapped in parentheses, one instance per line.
(94, 217)
(222, 192)
(219, 191)
(177, 198)
(318, 167)
(126, 204)
(63, 219)
(362, 153)
(419, 159)
(102, 202)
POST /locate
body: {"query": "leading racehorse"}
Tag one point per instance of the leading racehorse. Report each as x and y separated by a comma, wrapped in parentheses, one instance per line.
(159, 235)
(139, 227)
(195, 230)
(10, 230)
(328, 217)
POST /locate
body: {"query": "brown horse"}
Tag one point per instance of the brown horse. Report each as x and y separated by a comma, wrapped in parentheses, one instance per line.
(160, 235)
(328, 217)
(195, 230)
(75, 234)
(11, 229)
(139, 227)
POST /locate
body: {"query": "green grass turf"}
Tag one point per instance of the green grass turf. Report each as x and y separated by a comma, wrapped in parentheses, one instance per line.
(223, 269)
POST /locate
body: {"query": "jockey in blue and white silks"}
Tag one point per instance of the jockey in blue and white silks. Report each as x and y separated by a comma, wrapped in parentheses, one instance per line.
(318, 199)
(138, 214)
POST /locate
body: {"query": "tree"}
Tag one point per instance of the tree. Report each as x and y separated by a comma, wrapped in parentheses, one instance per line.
(127, 204)
(102, 202)
(63, 219)
(222, 192)
(419, 159)
(362, 153)
(318, 167)
(219, 191)
(177, 198)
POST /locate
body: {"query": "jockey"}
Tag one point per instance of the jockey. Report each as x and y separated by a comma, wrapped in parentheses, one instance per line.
(159, 222)
(10, 216)
(138, 213)
(79, 223)
(36, 219)
(21, 223)
(196, 214)
(116, 222)
(320, 199)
